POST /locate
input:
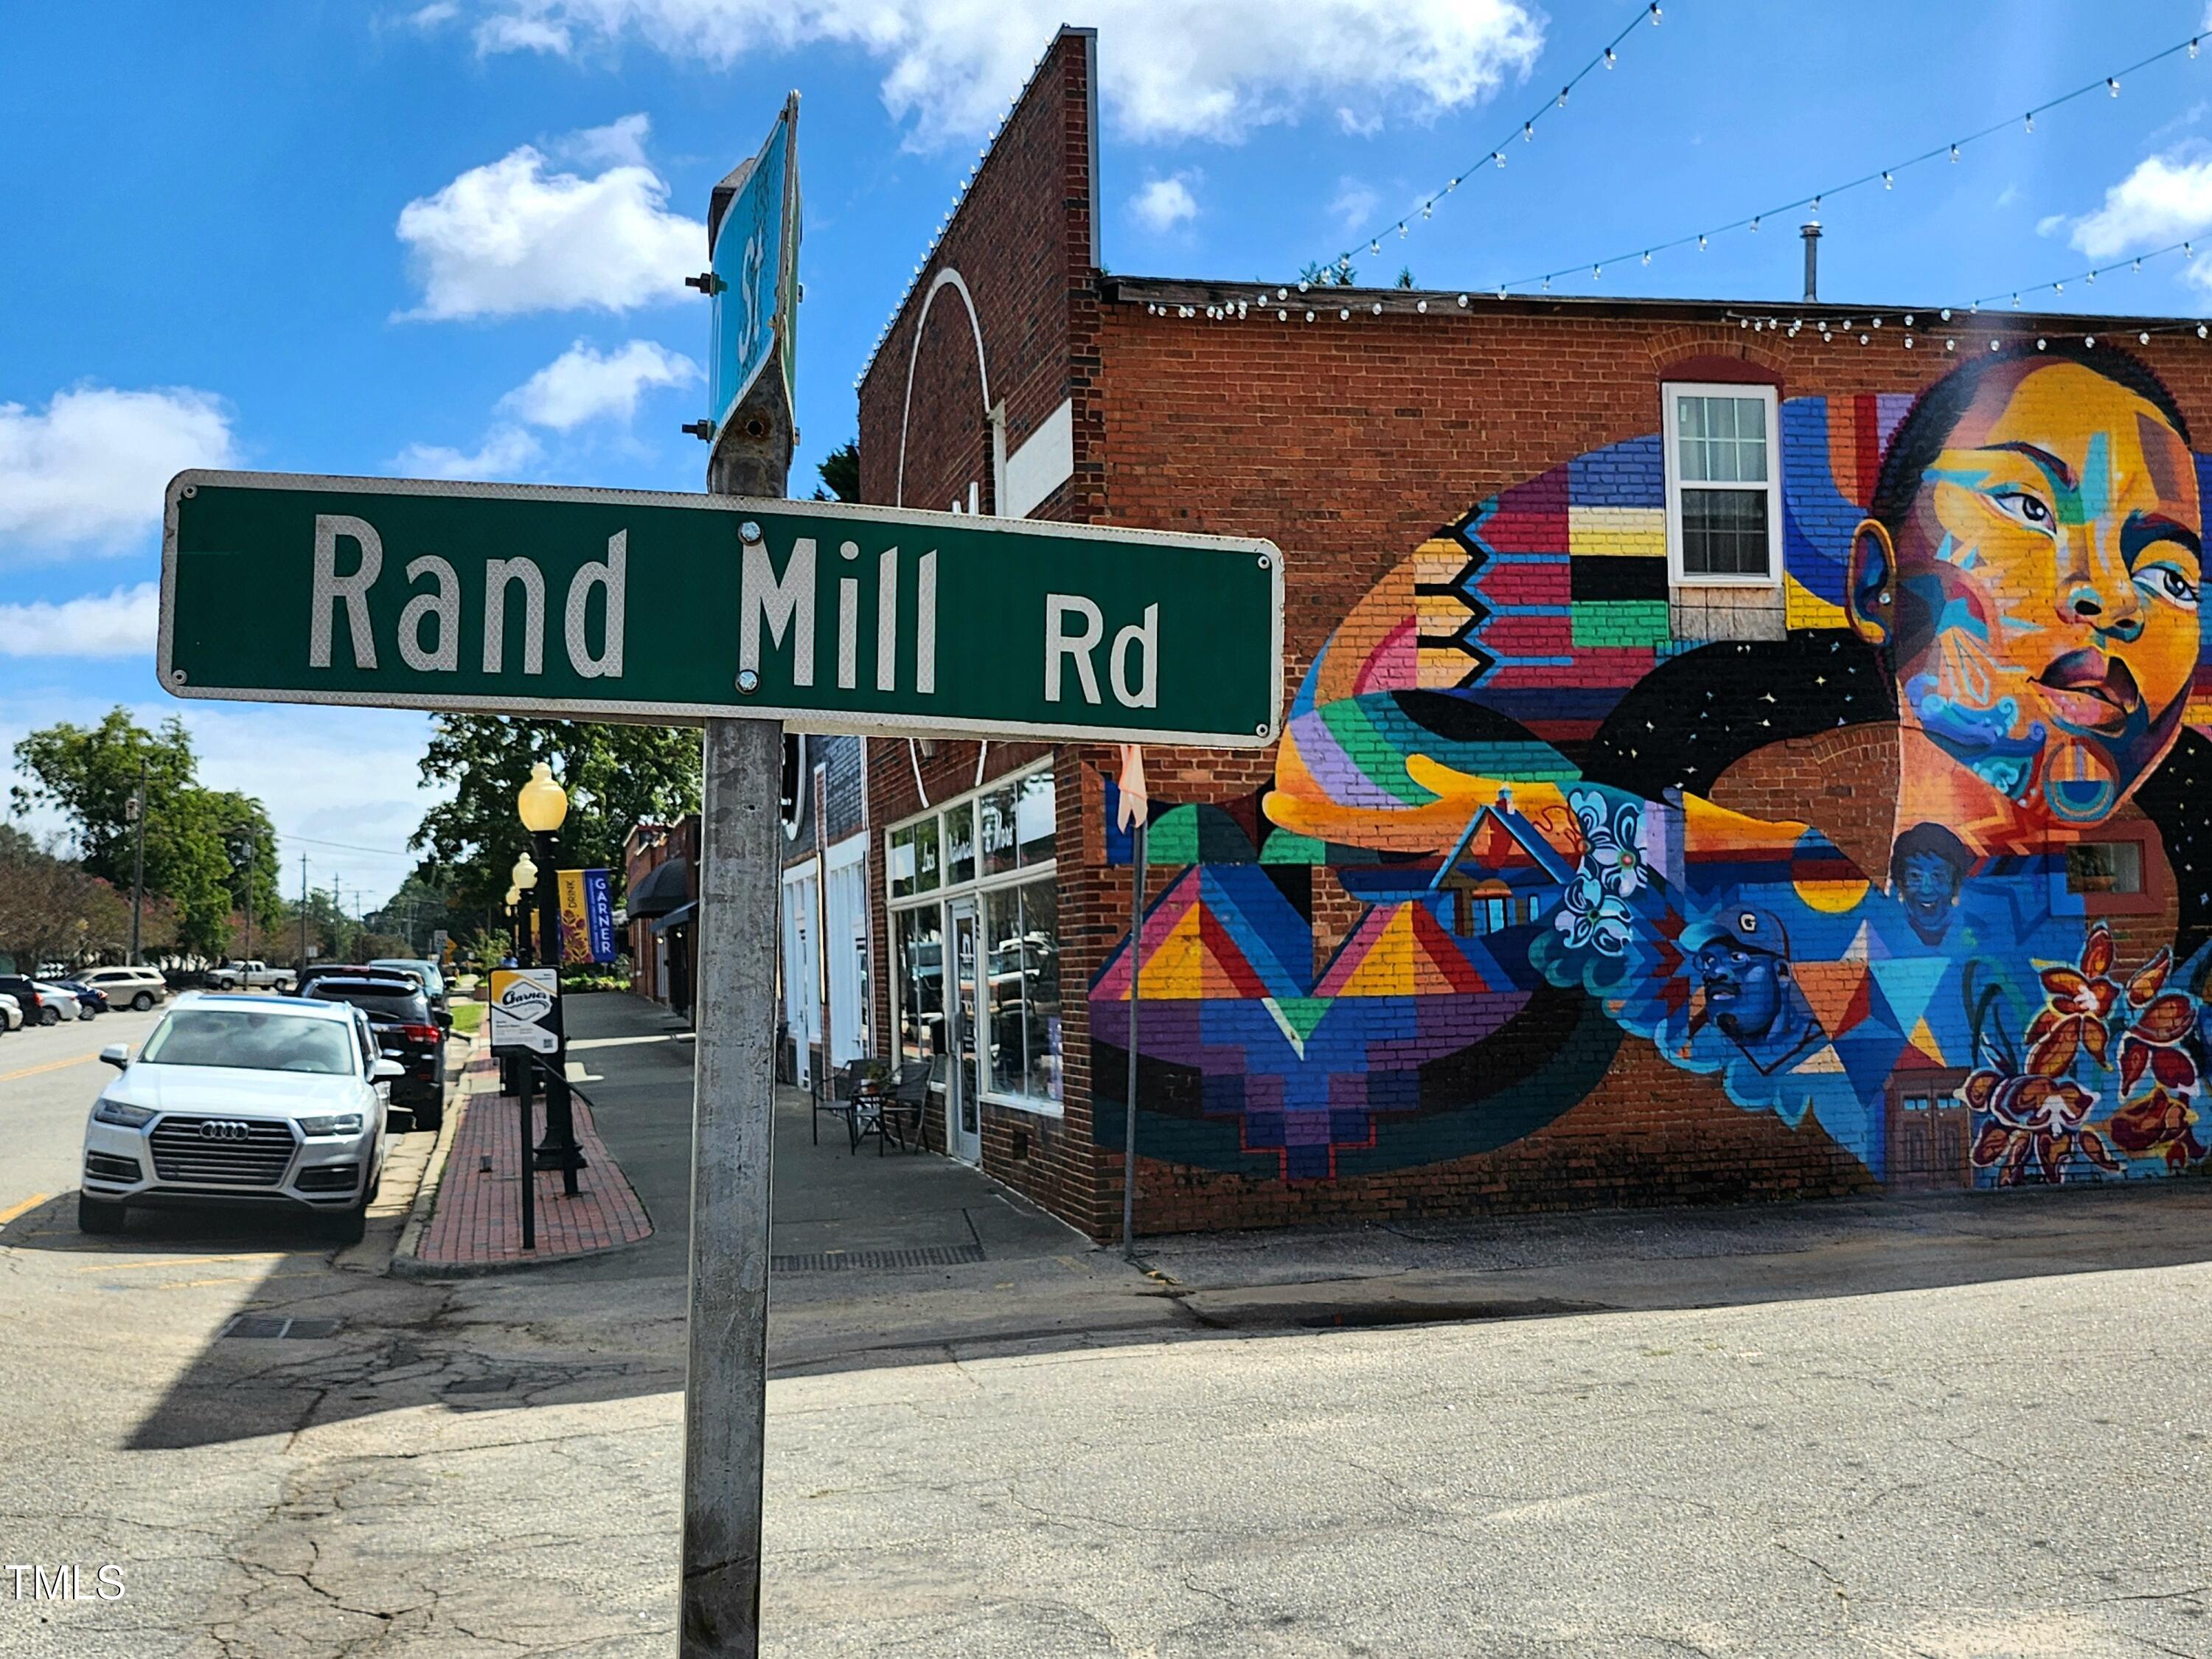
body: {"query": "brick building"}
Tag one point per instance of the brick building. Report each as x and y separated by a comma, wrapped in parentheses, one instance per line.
(1716, 770)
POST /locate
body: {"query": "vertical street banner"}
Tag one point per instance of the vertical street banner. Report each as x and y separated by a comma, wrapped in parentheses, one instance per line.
(755, 268)
(525, 1010)
(587, 917)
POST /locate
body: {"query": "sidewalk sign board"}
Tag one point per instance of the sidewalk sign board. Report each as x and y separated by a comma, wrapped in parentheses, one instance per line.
(620, 605)
(525, 1010)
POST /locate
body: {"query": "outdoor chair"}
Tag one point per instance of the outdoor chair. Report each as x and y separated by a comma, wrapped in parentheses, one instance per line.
(846, 1096)
(901, 1108)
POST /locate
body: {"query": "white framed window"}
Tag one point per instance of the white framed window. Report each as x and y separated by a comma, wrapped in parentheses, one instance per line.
(995, 844)
(1723, 459)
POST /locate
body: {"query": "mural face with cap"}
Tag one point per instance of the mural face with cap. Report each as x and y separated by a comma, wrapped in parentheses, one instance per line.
(2033, 573)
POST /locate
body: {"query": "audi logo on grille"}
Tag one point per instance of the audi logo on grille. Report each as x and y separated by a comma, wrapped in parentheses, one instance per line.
(224, 1130)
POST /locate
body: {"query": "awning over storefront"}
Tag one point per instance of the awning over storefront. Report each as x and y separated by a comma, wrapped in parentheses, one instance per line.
(665, 886)
(677, 918)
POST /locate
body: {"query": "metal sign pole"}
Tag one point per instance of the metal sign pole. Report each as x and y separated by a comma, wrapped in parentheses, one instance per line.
(733, 1110)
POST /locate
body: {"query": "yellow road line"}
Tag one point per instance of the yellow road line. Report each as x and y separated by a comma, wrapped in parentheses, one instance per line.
(178, 1261)
(14, 1210)
(51, 1066)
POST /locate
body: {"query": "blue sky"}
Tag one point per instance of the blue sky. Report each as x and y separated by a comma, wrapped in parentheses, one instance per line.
(448, 238)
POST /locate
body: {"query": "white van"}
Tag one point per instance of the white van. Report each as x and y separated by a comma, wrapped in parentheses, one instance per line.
(129, 988)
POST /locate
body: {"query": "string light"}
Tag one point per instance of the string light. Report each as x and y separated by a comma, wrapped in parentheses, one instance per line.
(1496, 154)
(1953, 151)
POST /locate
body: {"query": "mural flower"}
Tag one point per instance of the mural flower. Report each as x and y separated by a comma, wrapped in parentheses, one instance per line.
(2078, 1003)
(2033, 1115)
(2160, 1022)
(1613, 847)
(1593, 916)
(2158, 1122)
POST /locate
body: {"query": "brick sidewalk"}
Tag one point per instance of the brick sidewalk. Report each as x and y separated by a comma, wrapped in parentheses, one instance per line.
(478, 1219)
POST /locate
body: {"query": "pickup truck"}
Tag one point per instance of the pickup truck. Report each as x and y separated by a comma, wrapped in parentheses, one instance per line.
(251, 976)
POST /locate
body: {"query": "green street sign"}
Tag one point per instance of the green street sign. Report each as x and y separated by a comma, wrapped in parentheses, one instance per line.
(620, 605)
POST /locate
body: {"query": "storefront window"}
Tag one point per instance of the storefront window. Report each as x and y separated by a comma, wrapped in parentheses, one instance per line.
(995, 816)
(921, 940)
(913, 859)
(960, 844)
(1021, 928)
(1033, 819)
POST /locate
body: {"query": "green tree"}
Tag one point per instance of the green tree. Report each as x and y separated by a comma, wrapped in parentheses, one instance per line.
(206, 849)
(51, 909)
(615, 776)
(1404, 276)
(841, 473)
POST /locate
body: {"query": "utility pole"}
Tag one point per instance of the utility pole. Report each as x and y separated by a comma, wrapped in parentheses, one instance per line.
(303, 912)
(252, 850)
(138, 864)
(725, 1389)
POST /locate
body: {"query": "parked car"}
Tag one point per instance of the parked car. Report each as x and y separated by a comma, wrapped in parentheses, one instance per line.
(398, 1010)
(255, 976)
(11, 1013)
(94, 999)
(55, 996)
(36, 1011)
(132, 988)
(241, 1100)
(433, 982)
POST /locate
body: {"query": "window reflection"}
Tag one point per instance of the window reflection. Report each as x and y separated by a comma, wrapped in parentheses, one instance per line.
(922, 983)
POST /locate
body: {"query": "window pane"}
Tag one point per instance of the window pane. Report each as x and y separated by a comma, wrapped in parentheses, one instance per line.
(1041, 987)
(926, 865)
(1033, 819)
(920, 970)
(1005, 1069)
(2111, 866)
(1724, 532)
(1722, 439)
(960, 844)
(898, 862)
(994, 823)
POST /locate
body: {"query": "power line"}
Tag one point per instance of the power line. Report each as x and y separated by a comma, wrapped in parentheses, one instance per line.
(1887, 176)
(1526, 132)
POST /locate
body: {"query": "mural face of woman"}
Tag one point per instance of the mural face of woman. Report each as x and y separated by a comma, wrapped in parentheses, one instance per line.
(2039, 598)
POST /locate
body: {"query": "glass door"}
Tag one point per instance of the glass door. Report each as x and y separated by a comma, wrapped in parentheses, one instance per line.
(962, 1108)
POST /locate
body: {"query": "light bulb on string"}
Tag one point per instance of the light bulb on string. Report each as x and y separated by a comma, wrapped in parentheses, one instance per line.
(2201, 329)
(1954, 153)
(1426, 208)
(1564, 91)
(2192, 53)
(1655, 13)
(1754, 227)
(2030, 120)
(2143, 338)
(2112, 85)
(1499, 157)
(1701, 242)
(1609, 59)
(1375, 246)
(1528, 132)
(2138, 265)
(1888, 183)
(1647, 255)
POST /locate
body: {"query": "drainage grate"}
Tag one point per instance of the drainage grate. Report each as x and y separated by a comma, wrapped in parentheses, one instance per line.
(274, 1326)
(830, 1262)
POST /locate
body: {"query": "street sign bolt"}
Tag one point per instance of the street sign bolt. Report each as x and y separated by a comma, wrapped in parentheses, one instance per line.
(191, 491)
(1260, 730)
(702, 430)
(749, 531)
(176, 677)
(748, 682)
(1266, 563)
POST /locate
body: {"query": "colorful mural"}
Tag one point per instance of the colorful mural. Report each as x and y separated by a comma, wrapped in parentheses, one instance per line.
(1923, 878)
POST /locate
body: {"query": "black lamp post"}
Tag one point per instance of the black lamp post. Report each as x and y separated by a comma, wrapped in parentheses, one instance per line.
(542, 806)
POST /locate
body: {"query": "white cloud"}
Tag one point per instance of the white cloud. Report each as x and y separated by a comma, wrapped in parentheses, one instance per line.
(1169, 70)
(1354, 206)
(435, 16)
(1359, 126)
(1163, 203)
(2051, 224)
(580, 384)
(88, 470)
(511, 237)
(122, 623)
(506, 450)
(2166, 198)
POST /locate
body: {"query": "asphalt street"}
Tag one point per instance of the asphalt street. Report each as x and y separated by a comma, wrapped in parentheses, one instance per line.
(1960, 1430)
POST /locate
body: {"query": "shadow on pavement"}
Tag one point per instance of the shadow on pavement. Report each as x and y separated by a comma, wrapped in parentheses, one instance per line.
(973, 1270)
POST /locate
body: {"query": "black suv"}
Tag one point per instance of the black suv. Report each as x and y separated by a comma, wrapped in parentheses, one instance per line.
(36, 1009)
(406, 1031)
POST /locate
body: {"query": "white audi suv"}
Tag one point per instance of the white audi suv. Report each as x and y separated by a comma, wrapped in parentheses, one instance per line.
(237, 1100)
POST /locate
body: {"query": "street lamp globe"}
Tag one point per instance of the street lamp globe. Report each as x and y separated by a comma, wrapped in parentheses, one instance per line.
(542, 803)
(514, 897)
(525, 872)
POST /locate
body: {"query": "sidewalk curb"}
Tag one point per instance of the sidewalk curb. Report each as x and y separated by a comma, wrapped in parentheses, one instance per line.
(406, 1261)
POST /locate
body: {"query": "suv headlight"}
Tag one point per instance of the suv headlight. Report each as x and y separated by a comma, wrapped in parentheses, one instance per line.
(121, 1113)
(343, 1123)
